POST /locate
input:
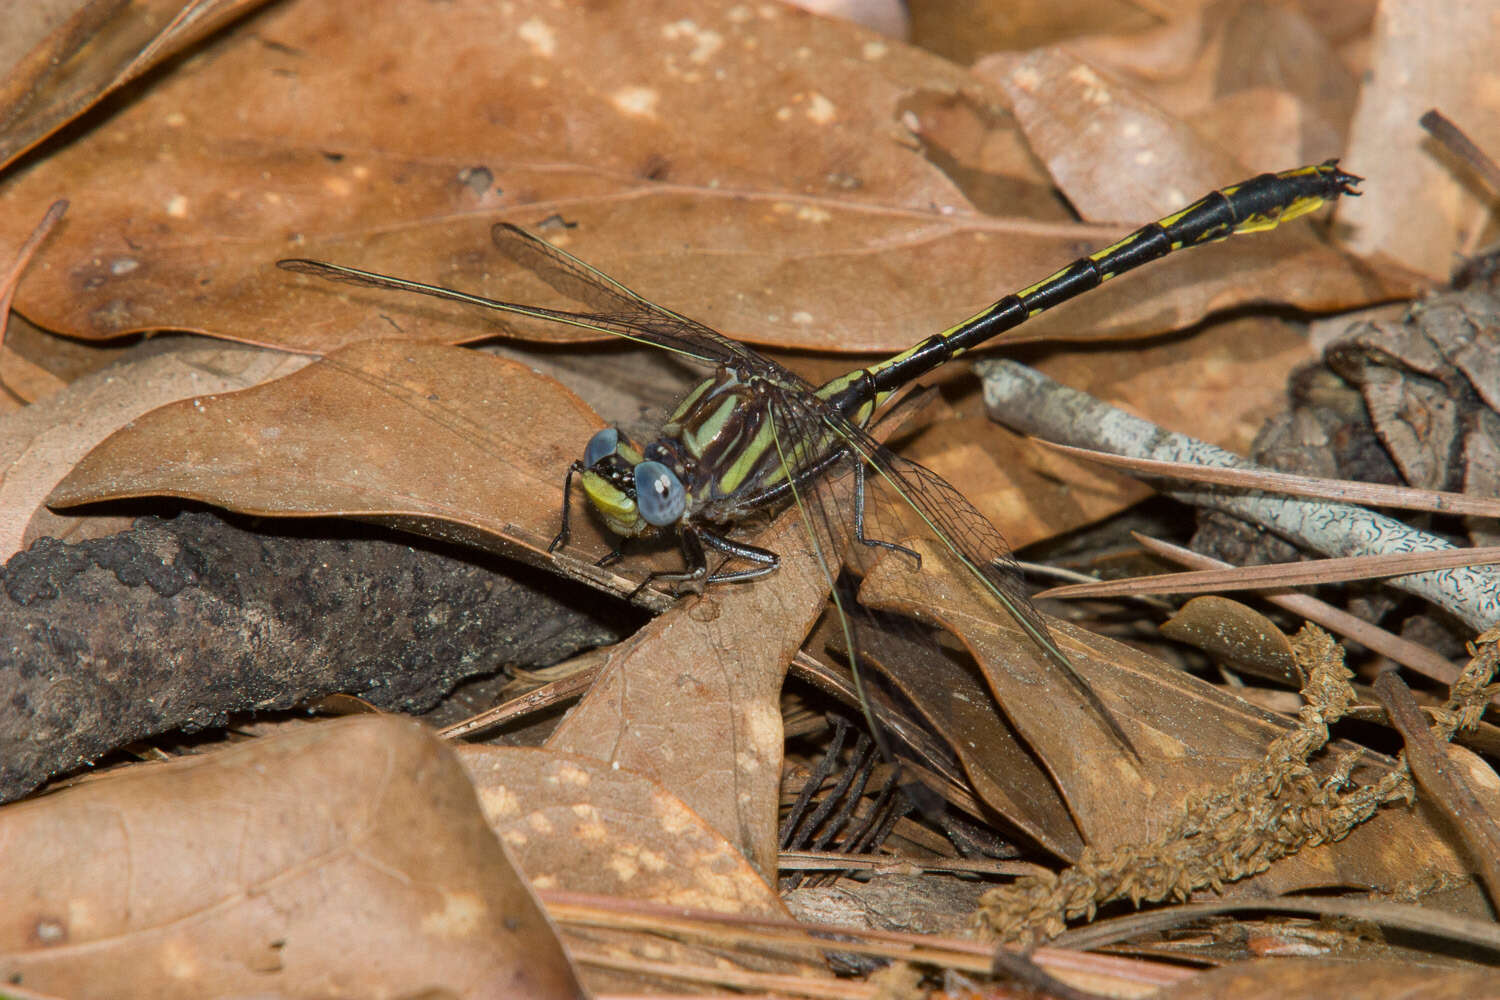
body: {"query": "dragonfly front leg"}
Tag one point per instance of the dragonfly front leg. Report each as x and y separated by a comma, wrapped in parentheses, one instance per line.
(558, 542)
(562, 534)
(696, 576)
(859, 519)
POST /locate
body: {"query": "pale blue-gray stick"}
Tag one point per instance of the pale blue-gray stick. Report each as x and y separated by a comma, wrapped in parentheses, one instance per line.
(1028, 401)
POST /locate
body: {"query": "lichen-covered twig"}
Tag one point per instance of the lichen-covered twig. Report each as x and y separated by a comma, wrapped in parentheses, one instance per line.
(1270, 810)
(1028, 401)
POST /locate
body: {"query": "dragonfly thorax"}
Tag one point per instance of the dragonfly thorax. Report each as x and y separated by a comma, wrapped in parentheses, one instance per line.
(723, 443)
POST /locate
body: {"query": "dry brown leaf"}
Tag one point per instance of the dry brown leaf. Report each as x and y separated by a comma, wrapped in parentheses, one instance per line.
(1005, 776)
(349, 858)
(1317, 979)
(964, 31)
(59, 57)
(693, 700)
(1108, 148)
(65, 359)
(42, 443)
(888, 17)
(1264, 82)
(444, 441)
(581, 825)
(1236, 634)
(23, 380)
(314, 130)
(1271, 127)
(1424, 208)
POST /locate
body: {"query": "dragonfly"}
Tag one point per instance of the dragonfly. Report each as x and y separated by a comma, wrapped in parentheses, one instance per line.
(754, 436)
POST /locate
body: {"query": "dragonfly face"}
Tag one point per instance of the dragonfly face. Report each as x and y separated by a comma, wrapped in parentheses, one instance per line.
(707, 454)
(635, 495)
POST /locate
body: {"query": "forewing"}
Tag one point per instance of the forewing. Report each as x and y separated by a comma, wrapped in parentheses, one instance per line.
(617, 308)
(686, 341)
(955, 522)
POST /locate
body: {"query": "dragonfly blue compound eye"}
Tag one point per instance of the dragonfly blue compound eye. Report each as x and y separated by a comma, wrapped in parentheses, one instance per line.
(600, 445)
(659, 494)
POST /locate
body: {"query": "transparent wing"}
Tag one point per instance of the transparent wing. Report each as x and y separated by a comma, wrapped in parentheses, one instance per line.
(610, 300)
(684, 340)
(955, 523)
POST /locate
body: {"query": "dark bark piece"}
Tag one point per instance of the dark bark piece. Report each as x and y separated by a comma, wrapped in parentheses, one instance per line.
(177, 623)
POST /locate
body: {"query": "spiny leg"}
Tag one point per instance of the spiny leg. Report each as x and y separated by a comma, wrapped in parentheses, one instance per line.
(562, 535)
(696, 576)
(768, 560)
(697, 566)
(859, 519)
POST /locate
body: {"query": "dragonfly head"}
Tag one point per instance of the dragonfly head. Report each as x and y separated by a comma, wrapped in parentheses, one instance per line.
(634, 494)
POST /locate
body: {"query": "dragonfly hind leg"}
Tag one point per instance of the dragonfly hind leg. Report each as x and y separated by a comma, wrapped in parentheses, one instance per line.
(859, 520)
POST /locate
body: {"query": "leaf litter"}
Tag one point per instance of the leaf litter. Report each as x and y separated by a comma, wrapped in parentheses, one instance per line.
(261, 150)
(234, 166)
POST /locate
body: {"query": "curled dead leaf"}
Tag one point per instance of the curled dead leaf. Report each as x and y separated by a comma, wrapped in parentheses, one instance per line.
(441, 440)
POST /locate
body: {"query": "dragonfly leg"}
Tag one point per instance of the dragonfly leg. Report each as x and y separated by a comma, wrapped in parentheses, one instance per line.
(691, 580)
(768, 560)
(696, 576)
(859, 519)
(562, 534)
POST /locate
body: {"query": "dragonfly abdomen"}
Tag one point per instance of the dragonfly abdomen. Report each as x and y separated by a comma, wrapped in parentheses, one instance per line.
(1256, 205)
